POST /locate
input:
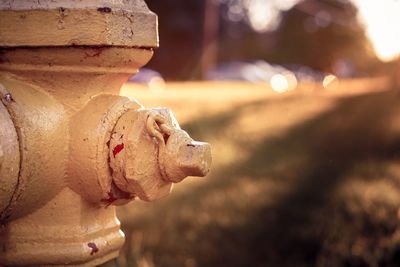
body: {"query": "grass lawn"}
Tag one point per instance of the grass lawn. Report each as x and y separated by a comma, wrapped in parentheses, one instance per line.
(306, 178)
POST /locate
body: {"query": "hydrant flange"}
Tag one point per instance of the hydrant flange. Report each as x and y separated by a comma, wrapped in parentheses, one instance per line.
(91, 134)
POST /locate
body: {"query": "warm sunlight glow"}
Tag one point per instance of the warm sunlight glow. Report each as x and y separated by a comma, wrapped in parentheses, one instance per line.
(262, 15)
(382, 21)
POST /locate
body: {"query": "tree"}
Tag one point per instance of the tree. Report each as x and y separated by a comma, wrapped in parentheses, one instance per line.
(322, 34)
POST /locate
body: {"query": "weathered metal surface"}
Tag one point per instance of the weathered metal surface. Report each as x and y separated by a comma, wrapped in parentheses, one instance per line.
(76, 22)
(62, 64)
(92, 130)
(40, 125)
(60, 95)
(59, 234)
(9, 155)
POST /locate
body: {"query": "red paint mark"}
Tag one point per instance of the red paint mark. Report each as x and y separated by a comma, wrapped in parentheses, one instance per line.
(117, 149)
(93, 247)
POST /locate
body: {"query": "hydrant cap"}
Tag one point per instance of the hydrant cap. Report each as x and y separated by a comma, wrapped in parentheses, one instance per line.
(127, 23)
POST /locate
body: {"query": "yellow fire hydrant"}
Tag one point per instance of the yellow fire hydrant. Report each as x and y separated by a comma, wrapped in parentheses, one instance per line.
(70, 147)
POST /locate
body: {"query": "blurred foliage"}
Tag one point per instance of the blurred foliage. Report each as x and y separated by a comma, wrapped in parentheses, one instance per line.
(303, 37)
(339, 38)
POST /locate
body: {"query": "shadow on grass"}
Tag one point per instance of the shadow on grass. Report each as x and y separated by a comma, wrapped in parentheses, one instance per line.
(312, 159)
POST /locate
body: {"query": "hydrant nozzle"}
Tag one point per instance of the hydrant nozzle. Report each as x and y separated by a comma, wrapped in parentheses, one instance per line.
(185, 157)
(149, 152)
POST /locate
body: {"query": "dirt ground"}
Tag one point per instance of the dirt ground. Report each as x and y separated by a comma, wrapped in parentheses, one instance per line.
(306, 178)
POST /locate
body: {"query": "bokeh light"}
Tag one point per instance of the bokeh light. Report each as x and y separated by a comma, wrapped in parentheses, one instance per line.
(329, 81)
(283, 82)
(261, 15)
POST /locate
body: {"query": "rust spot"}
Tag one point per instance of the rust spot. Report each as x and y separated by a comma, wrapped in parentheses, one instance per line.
(93, 247)
(117, 149)
(104, 9)
(8, 97)
(61, 9)
(23, 16)
(111, 198)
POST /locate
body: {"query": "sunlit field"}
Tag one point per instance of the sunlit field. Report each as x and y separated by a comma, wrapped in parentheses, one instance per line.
(309, 177)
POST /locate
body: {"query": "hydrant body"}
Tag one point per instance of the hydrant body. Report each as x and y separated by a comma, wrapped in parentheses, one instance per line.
(62, 64)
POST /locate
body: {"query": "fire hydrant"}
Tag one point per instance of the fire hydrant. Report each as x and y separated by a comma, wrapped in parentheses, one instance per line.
(71, 148)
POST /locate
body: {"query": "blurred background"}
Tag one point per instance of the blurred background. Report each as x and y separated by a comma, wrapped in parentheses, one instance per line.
(300, 101)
